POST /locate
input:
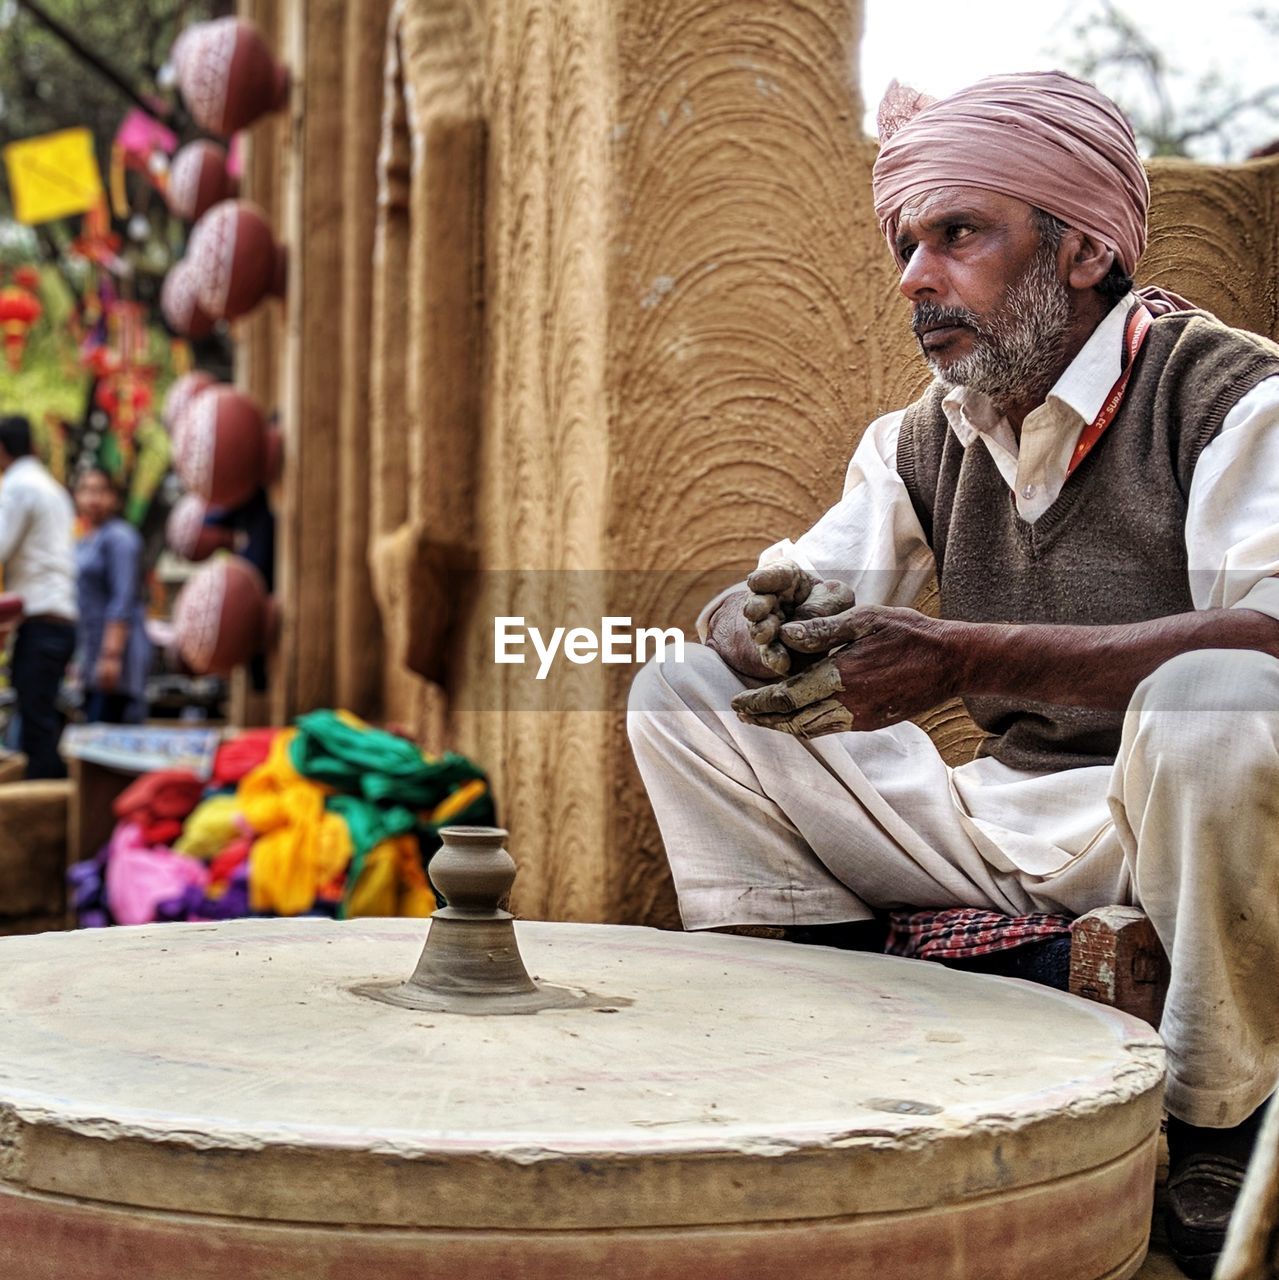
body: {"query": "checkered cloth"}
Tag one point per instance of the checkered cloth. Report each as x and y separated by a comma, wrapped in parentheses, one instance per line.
(966, 931)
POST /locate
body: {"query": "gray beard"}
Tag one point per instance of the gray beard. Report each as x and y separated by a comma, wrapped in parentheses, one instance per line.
(1017, 349)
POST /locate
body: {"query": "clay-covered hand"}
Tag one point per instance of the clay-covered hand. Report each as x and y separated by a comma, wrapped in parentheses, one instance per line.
(806, 705)
(892, 664)
(781, 592)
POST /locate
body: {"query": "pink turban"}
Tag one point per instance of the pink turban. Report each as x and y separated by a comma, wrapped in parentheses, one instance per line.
(1043, 137)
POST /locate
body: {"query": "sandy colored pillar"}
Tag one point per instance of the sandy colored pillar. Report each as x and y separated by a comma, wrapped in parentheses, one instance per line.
(313, 39)
(357, 623)
(680, 318)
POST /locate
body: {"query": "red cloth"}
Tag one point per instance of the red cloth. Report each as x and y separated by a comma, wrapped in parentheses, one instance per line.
(159, 831)
(168, 795)
(242, 754)
(967, 931)
(224, 865)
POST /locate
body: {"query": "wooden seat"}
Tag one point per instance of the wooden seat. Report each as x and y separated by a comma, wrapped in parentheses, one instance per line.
(1116, 958)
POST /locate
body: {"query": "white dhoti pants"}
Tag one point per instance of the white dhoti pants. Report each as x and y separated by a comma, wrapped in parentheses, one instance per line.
(761, 828)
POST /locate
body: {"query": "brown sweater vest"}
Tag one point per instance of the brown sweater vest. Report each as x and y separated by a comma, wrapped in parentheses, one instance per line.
(1110, 550)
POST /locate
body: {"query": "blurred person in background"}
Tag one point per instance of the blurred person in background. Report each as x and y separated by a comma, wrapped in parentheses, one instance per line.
(38, 552)
(114, 651)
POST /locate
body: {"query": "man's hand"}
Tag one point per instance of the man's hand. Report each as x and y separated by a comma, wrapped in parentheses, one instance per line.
(893, 664)
(106, 673)
(780, 593)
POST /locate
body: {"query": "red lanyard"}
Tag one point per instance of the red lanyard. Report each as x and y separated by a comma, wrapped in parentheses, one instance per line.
(1135, 331)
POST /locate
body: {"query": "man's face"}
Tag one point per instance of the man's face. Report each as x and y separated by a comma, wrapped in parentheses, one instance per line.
(989, 306)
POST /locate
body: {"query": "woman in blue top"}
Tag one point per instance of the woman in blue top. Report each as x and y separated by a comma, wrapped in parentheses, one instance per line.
(114, 651)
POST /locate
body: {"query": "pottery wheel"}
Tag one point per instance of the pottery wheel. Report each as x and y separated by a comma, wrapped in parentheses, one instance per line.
(216, 1100)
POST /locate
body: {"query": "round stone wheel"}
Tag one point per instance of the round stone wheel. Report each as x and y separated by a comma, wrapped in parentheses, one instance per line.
(217, 1100)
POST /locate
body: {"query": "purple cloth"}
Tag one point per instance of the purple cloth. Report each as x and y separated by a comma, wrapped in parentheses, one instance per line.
(86, 883)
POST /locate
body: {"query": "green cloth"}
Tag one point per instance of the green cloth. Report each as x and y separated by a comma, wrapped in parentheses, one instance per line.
(386, 786)
(370, 824)
(381, 767)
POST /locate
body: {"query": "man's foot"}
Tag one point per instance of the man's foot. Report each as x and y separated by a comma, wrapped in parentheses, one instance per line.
(1206, 1170)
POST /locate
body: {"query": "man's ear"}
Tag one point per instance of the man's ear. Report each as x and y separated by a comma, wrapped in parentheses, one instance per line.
(1084, 259)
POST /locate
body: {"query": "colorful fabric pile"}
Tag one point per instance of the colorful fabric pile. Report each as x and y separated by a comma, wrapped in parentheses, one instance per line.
(330, 817)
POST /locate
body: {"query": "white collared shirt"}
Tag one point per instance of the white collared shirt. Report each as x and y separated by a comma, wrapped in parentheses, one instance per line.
(1035, 468)
(37, 544)
(872, 539)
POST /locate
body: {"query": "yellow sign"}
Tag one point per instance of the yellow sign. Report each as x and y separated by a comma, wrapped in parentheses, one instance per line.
(53, 176)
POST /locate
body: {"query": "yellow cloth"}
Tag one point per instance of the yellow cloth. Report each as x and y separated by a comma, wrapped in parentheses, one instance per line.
(391, 882)
(461, 799)
(213, 824)
(300, 846)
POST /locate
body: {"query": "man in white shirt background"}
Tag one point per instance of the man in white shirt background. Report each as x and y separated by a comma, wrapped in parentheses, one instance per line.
(38, 553)
(1094, 477)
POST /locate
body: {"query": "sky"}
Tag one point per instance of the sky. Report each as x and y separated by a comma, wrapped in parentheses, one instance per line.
(939, 46)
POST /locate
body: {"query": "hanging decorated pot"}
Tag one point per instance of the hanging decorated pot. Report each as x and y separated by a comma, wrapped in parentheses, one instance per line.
(181, 49)
(223, 616)
(187, 534)
(235, 260)
(223, 449)
(198, 179)
(180, 303)
(228, 75)
(181, 393)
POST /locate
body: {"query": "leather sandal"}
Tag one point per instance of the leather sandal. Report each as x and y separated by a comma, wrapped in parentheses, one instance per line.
(1202, 1190)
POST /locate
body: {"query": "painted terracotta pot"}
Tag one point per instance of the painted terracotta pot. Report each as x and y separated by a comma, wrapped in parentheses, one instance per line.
(228, 76)
(222, 616)
(198, 179)
(223, 449)
(180, 303)
(181, 393)
(235, 260)
(188, 536)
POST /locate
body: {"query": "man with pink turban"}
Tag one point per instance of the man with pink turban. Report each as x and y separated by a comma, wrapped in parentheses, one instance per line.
(1094, 477)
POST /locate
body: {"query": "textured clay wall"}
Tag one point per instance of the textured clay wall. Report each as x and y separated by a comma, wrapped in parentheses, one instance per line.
(678, 317)
(629, 315)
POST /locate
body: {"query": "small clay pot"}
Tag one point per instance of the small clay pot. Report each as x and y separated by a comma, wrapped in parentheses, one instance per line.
(181, 393)
(180, 303)
(472, 869)
(235, 260)
(198, 179)
(228, 75)
(223, 616)
(223, 449)
(186, 533)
